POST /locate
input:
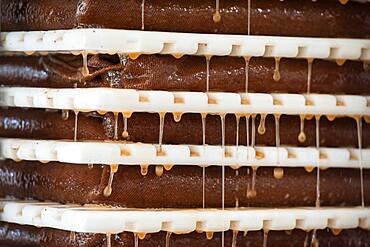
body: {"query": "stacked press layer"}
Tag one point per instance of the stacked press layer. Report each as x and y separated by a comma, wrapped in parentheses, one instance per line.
(180, 185)
(243, 187)
(267, 17)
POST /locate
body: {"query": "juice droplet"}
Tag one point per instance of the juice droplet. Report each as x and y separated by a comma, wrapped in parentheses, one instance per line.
(276, 75)
(126, 116)
(336, 231)
(85, 70)
(144, 169)
(159, 170)
(309, 168)
(141, 235)
(343, 1)
(134, 55)
(340, 62)
(177, 55)
(302, 135)
(216, 15)
(251, 190)
(209, 235)
(108, 189)
(167, 167)
(177, 116)
(261, 127)
(278, 173)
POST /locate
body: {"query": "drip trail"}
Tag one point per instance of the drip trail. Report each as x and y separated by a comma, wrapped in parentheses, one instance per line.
(116, 126)
(317, 120)
(261, 127)
(309, 74)
(208, 59)
(359, 139)
(108, 189)
(168, 236)
(276, 75)
(142, 14)
(109, 243)
(75, 127)
(217, 16)
(85, 69)
(246, 71)
(302, 135)
(204, 121)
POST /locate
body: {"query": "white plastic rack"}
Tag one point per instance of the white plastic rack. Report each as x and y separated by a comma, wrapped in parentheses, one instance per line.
(139, 153)
(108, 220)
(111, 41)
(130, 100)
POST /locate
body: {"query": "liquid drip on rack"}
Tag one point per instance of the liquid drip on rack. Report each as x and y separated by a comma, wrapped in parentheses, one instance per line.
(75, 126)
(116, 125)
(222, 117)
(204, 120)
(217, 16)
(126, 116)
(309, 74)
(177, 116)
(265, 238)
(237, 118)
(302, 135)
(208, 59)
(246, 71)
(317, 121)
(359, 140)
(168, 236)
(108, 189)
(314, 240)
(276, 75)
(108, 237)
(144, 169)
(85, 70)
(277, 135)
(136, 240)
(235, 236)
(161, 127)
(261, 127)
(142, 14)
(158, 170)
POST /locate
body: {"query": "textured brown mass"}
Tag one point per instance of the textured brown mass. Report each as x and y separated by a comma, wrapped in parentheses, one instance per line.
(144, 127)
(27, 236)
(325, 18)
(180, 187)
(161, 72)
